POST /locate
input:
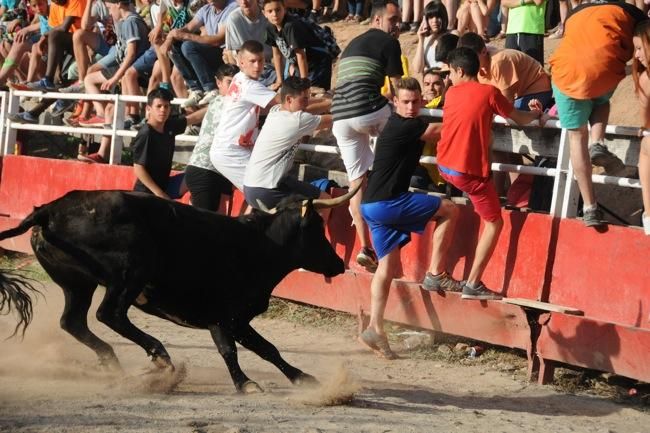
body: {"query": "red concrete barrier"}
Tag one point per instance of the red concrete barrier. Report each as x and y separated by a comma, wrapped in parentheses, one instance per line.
(538, 258)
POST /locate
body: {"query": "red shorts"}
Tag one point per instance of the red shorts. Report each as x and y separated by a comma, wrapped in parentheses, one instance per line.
(481, 192)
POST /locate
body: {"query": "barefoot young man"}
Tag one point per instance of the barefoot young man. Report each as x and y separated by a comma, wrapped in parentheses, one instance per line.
(392, 212)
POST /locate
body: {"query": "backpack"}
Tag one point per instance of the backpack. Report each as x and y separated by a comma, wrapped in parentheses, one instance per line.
(324, 34)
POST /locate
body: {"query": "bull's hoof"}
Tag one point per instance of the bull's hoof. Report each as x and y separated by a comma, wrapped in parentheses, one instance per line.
(163, 363)
(250, 387)
(305, 380)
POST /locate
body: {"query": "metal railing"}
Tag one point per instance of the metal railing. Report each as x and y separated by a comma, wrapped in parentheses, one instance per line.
(564, 201)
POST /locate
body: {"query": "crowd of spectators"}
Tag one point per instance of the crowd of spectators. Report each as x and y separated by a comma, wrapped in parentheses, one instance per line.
(245, 70)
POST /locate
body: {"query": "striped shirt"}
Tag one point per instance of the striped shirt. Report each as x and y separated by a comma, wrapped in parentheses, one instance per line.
(361, 71)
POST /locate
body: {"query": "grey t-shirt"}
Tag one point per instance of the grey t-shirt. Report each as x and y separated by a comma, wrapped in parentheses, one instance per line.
(276, 146)
(239, 29)
(209, 17)
(131, 29)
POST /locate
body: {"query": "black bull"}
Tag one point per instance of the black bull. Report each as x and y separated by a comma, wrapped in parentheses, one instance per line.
(192, 267)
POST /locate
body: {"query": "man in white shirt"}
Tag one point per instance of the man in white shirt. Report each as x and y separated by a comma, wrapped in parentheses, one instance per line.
(238, 128)
(266, 180)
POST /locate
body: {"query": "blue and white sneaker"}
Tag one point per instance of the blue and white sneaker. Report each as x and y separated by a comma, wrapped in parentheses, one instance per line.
(43, 85)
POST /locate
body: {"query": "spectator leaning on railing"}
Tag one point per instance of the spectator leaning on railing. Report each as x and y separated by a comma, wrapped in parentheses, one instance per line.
(583, 85)
(358, 107)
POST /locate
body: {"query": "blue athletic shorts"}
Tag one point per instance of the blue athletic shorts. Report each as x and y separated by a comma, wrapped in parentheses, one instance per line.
(391, 222)
(575, 113)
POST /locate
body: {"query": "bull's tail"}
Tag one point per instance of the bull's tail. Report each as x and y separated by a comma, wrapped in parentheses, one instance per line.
(14, 288)
(37, 218)
(14, 295)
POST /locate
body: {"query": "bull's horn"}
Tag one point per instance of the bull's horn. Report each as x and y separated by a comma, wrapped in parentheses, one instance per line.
(325, 203)
(263, 207)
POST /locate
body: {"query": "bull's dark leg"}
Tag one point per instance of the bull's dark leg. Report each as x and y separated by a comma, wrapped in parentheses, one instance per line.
(78, 290)
(250, 339)
(113, 313)
(225, 342)
(74, 321)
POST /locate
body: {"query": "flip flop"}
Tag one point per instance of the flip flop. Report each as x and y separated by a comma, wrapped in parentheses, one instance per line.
(377, 343)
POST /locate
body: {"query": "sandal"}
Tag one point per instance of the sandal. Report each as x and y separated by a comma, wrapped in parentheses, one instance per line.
(377, 343)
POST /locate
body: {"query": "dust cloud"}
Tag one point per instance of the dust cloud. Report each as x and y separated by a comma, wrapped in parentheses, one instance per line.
(339, 389)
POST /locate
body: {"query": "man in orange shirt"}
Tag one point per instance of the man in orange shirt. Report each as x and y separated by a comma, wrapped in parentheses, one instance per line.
(583, 85)
(64, 19)
(464, 154)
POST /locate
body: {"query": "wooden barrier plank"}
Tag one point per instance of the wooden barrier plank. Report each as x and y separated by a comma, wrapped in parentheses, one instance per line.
(544, 306)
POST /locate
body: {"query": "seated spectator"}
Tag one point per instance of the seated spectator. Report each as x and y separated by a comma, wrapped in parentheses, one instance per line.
(640, 73)
(198, 56)
(433, 89)
(393, 213)
(105, 75)
(266, 181)
(464, 154)
(434, 25)
(24, 41)
(153, 148)
(293, 41)
(170, 15)
(583, 86)
(526, 27)
(237, 131)
(245, 24)
(473, 16)
(64, 19)
(205, 183)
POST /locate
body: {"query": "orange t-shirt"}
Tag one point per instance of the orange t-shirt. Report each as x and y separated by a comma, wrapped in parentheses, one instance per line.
(515, 74)
(590, 60)
(73, 8)
(466, 134)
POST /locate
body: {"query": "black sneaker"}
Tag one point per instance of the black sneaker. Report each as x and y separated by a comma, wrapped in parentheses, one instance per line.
(62, 105)
(480, 292)
(593, 218)
(368, 259)
(443, 281)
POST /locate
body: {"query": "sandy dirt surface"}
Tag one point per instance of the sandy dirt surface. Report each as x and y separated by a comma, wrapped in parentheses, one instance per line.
(51, 383)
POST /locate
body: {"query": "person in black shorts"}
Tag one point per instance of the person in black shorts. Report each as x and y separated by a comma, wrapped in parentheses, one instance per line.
(392, 212)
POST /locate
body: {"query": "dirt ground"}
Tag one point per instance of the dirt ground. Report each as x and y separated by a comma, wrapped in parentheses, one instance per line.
(51, 383)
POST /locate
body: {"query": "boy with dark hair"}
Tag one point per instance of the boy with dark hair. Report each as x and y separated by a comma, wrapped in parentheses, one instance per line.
(266, 178)
(392, 212)
(464, 153)
(153, 148)
(304, 53)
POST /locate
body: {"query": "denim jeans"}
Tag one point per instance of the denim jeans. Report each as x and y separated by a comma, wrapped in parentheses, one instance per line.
(197, 63)
(355, 7)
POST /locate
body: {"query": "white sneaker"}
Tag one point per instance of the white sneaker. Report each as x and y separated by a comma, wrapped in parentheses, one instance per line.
(209, 97)
(193, 98)
(646, 224)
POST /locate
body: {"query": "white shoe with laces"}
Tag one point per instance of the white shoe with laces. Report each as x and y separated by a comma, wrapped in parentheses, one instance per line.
(209, 97)
(646, 223)
(193, 98)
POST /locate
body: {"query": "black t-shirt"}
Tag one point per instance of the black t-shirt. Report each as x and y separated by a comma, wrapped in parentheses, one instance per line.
(155, 151)
(362, 69)
(397, 153)
(295, 33)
